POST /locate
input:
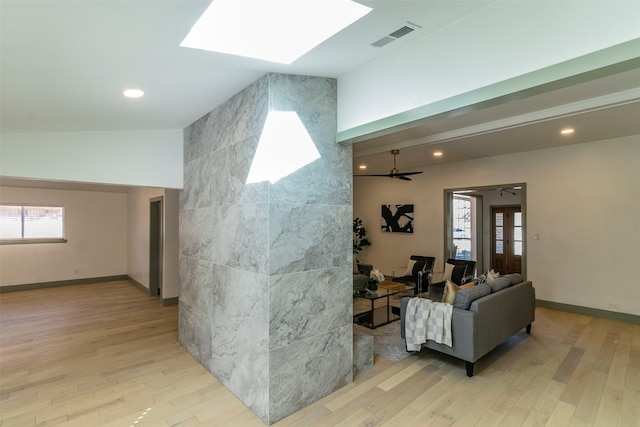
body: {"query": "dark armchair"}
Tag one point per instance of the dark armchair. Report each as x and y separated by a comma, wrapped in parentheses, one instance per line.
(420, 274)
(463, 271)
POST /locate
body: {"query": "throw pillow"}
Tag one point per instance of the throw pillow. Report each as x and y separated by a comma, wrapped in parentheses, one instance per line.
(409, 270)
(451, 289)
(492, 275)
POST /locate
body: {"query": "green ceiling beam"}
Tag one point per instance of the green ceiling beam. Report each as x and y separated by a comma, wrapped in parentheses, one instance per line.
(602, 63)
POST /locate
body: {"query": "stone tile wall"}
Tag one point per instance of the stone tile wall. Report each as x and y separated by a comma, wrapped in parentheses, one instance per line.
(265, 269)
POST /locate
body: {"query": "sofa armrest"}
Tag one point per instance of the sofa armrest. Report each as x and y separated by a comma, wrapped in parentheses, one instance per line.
(464, 333)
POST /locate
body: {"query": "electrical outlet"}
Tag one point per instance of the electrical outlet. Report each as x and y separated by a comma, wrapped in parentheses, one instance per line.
(614, 306)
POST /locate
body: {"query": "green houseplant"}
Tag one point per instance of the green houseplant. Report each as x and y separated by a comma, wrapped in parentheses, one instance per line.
(360, 240)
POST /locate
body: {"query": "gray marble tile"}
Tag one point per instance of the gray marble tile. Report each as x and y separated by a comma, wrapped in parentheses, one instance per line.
(198, 175)
(195, 233)
(231, 166)
(243, 367)
(194, 333)
(201, 137)
(308, 237)
(196, 284)
(362, 351)
(241, 304)
(244, 114)
(309, 303)
(327, 180)
(240, 236)
(304, 372)
(296, 93)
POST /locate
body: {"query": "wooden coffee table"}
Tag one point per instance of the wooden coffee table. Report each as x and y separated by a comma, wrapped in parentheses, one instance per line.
(382, 315)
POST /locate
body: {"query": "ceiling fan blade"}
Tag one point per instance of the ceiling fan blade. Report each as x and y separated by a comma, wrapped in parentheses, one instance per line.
(382, 174)
(409, 173)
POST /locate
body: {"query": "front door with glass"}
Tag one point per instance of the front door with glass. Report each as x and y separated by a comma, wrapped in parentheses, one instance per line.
(506, 239)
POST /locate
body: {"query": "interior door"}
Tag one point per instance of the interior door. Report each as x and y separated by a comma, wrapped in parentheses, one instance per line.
(506, 239)
(155, 246)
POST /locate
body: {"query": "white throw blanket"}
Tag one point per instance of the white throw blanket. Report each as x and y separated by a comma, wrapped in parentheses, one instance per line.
(427, 320)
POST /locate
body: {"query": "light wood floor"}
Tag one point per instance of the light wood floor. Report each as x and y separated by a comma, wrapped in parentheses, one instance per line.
(107, 355)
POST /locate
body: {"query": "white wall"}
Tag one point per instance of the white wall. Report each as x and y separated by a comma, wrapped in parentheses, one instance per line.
(96, 232)
(140, 158)
(461, 57)
(583, 201)
(138, 237)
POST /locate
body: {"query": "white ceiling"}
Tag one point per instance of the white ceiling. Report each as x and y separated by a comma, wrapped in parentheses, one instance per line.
(64, 65)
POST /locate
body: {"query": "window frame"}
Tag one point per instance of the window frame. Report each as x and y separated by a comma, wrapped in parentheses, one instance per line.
(34, 240)
(466, 200)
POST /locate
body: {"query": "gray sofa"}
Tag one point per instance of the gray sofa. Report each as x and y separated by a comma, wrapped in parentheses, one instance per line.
(484, 316)
(361, 275)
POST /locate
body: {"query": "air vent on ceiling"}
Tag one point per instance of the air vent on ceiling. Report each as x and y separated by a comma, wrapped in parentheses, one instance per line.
(407, 28)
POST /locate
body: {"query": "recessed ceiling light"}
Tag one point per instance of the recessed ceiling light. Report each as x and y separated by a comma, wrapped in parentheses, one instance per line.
(567, 131)
(437, 154)
(133, 93)
(271, 30)
(362, 166)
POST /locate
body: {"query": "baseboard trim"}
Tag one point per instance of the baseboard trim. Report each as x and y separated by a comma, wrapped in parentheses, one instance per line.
(595, 312)
(42, 285)
(138, 285)
(163, 301)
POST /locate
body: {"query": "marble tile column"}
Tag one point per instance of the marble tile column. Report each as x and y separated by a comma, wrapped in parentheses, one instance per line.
(265, 268)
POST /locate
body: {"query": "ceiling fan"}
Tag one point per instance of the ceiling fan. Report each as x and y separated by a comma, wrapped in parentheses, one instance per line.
(395, 173)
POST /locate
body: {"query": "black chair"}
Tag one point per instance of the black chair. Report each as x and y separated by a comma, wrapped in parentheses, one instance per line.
(463, 272)
(421, 272)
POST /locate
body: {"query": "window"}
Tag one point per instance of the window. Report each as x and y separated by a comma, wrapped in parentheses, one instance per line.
(462, 228)
(31, 224)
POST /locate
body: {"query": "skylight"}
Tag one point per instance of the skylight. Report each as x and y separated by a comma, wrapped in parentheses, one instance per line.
(272, 30)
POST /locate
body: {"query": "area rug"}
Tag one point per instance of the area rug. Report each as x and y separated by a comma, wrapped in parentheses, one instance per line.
(386, 339)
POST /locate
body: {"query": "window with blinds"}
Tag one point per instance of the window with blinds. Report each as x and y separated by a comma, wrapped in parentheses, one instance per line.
(28, 223)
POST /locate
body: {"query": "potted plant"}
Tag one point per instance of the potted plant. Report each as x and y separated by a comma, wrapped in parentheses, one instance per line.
(360, 240)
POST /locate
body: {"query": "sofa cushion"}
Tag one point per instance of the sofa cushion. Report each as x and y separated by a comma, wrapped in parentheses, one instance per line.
(515, 278)
(464, 297)
(499, 284)
(451, 289)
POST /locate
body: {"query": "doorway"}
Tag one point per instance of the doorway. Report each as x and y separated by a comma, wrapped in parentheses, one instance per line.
(506, 239)
(485, 198)
(155, 246)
